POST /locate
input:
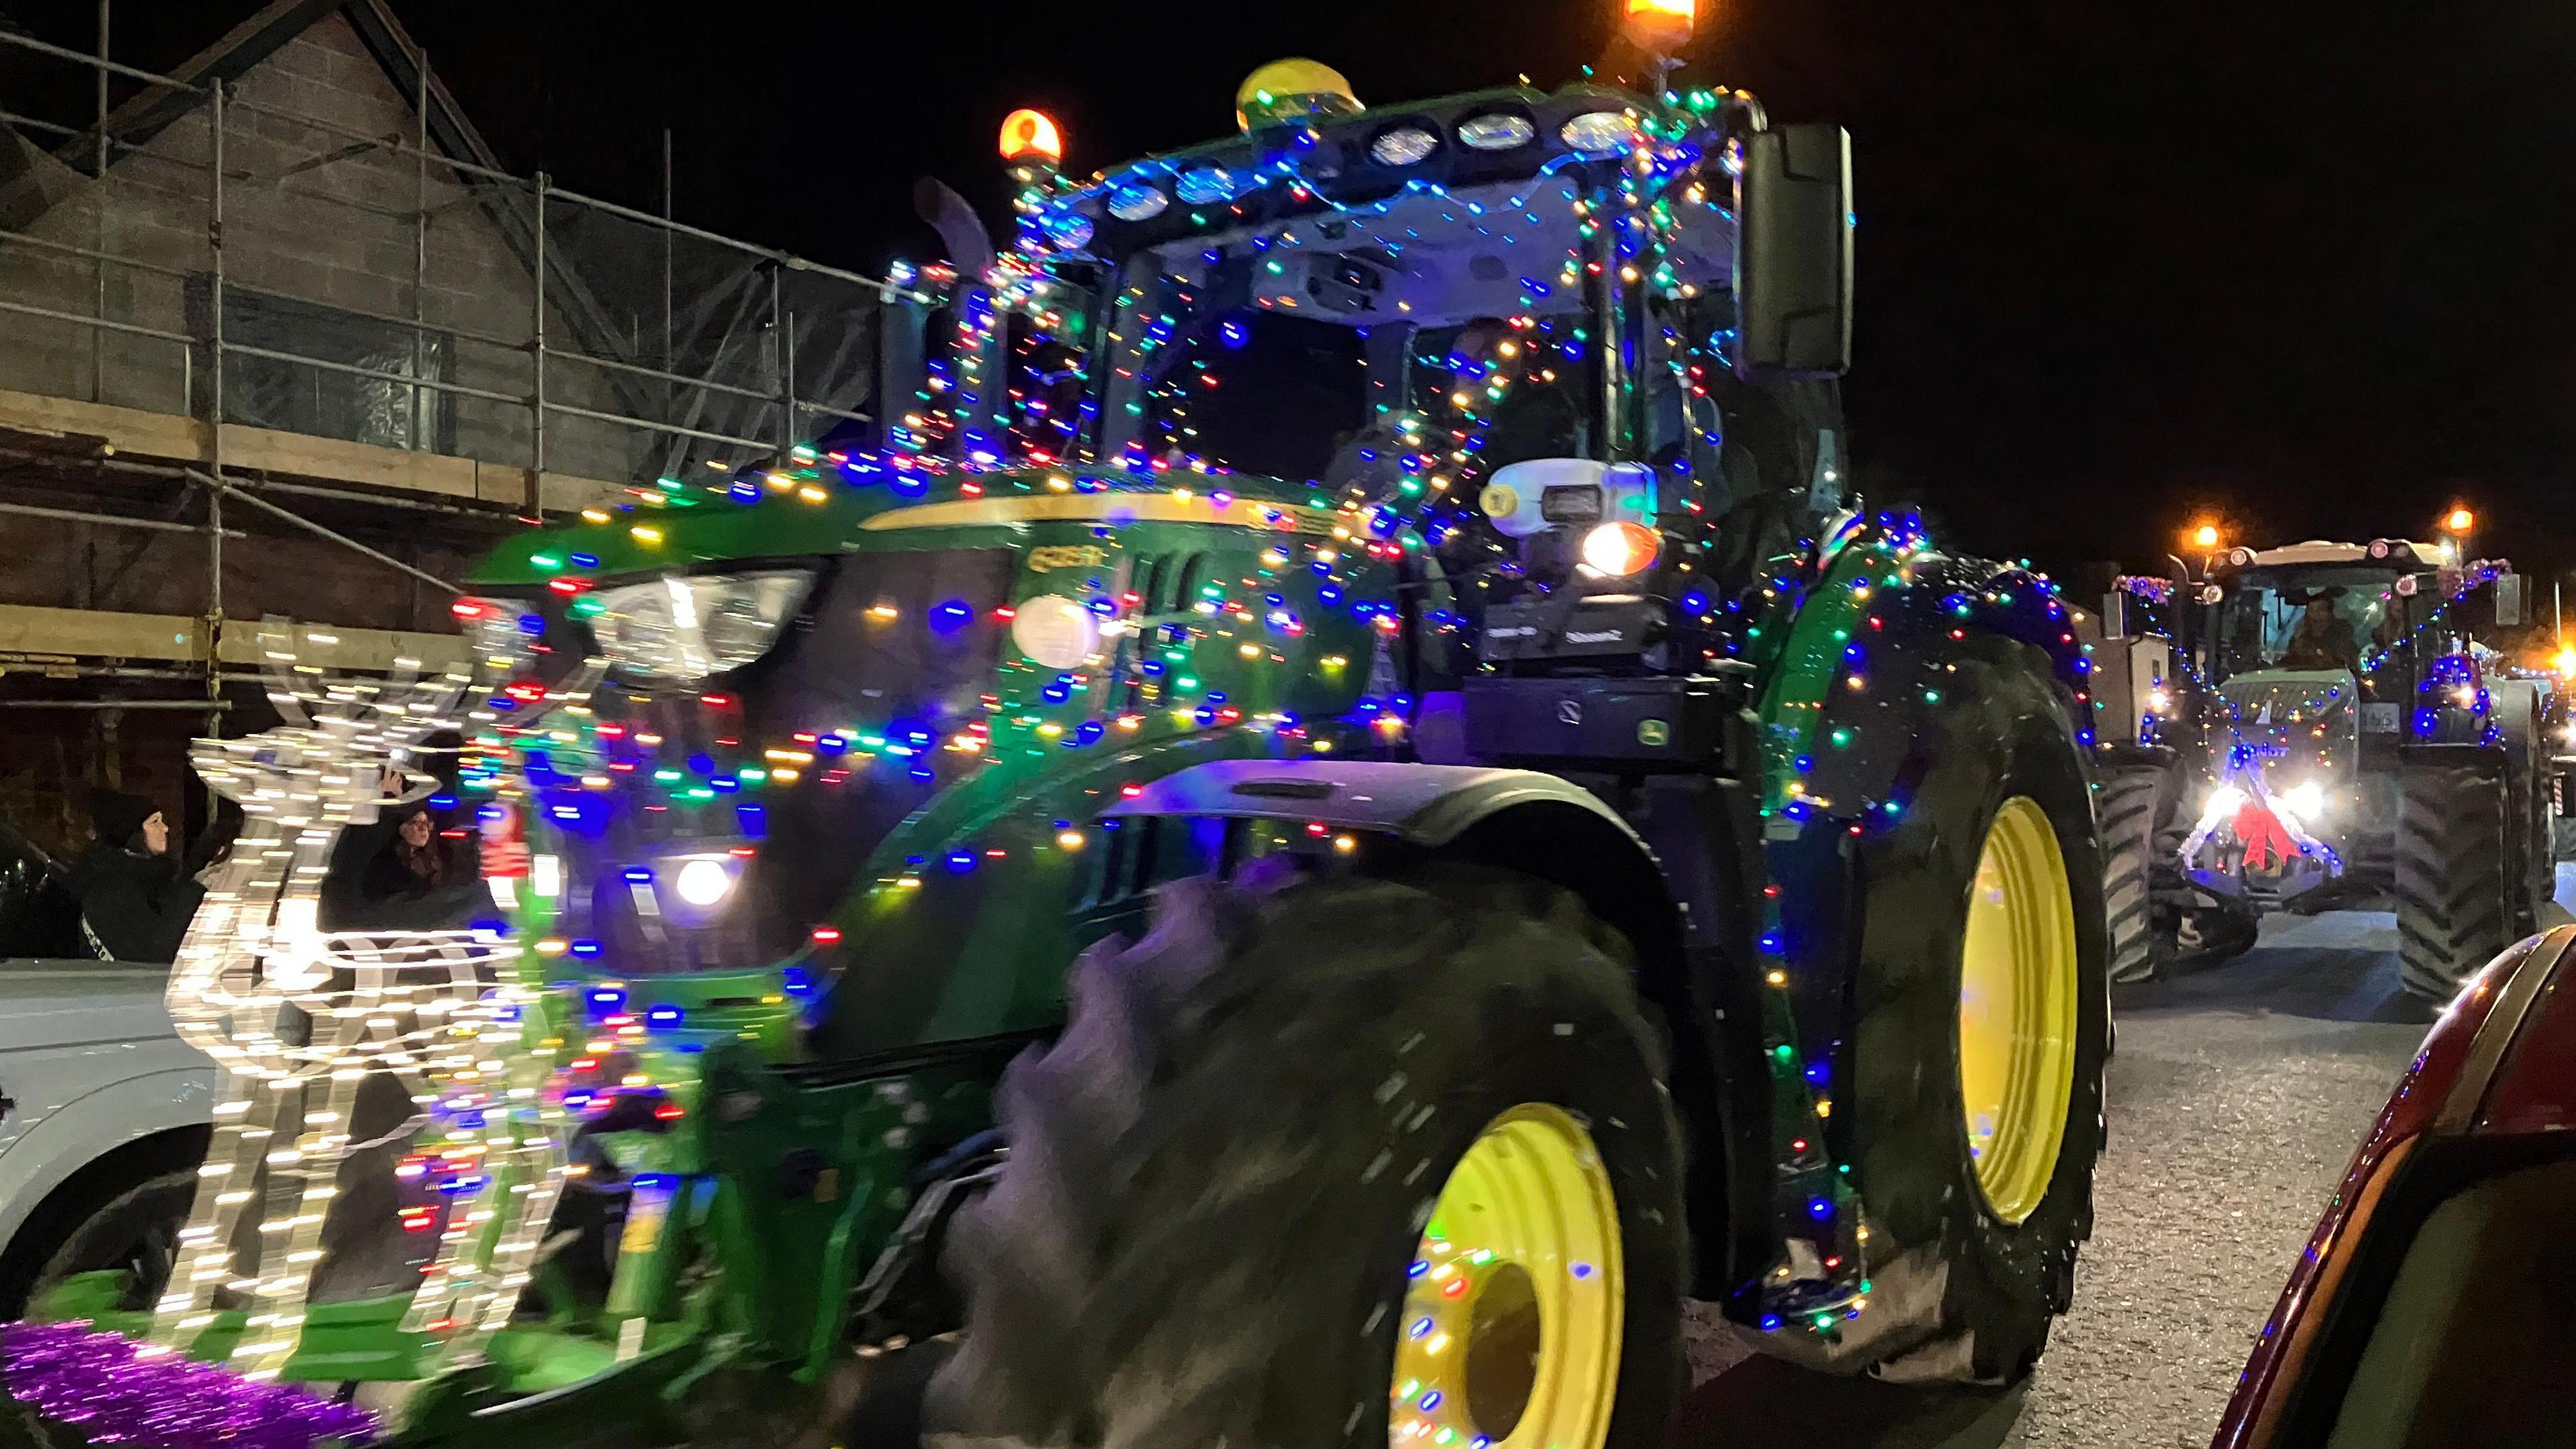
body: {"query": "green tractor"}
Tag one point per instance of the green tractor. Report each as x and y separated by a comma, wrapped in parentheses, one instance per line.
(1341, 816)
(2338, 732)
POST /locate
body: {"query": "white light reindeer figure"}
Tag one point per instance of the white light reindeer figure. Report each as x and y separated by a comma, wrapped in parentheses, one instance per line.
(296, 1017)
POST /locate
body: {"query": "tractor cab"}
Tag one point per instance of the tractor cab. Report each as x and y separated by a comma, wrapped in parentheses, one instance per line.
(2388, 631)
(2323, 660)
(1498, 332)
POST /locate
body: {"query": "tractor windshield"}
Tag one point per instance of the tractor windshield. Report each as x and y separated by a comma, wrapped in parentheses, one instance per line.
(747, 747)
(2332, 617)
(1297, 398)
(1406, 352)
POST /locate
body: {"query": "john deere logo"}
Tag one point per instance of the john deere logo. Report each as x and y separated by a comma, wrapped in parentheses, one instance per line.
(1654, 732)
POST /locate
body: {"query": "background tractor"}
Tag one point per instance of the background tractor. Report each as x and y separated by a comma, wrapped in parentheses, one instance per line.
(1341, 814)
(2344, 727)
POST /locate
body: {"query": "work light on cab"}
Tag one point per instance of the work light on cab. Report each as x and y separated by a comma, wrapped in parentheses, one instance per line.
(1617, 550)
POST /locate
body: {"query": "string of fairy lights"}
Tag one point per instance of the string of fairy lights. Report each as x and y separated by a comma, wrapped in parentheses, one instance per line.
(504, 1064)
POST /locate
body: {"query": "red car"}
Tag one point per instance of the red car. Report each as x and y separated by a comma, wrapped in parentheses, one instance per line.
(2436, 1302)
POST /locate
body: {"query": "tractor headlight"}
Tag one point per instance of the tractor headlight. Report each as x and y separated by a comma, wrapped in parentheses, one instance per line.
(1617, 550)
(1137, 202)
(2303, 802)
(1496, 131)
(686, 891)
(1598, 132)
(2225, 800)
(684, 628)
(1402, 145)
(1206, 185)
(703, 881)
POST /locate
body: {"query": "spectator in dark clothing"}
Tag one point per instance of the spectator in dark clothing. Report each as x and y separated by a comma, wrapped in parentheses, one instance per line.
(135, 900)
(414, 864)
(399, 873)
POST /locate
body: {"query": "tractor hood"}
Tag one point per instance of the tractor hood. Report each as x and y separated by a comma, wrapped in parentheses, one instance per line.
(2286, 743)
(850, 503)
(2287, 725)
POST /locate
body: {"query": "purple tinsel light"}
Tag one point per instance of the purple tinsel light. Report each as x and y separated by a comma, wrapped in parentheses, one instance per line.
(101, 1384)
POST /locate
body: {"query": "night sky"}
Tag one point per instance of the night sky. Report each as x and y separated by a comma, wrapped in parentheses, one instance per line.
(2311, 266)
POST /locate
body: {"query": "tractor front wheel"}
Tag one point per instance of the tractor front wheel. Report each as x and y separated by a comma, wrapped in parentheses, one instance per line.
(2456, 891)
(1981, 1026)
(1327, 1164)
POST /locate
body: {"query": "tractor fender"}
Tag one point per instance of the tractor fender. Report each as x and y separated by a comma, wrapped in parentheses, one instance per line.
(1427, 805)
(2493, 760)
(1548, 827)
(2519, 714)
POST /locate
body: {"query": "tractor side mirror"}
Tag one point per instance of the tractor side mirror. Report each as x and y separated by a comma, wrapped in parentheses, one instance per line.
(1793, 254)
(2508, 601)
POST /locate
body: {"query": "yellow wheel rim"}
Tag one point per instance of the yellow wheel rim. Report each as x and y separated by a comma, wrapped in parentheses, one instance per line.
(2017, 989)
(1512, 1313)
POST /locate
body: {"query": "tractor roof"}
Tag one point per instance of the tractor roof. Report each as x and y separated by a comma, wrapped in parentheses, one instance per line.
(2395, 552)
(1328, 164)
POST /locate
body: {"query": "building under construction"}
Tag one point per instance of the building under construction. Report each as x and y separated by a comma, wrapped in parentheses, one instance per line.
(279, 338)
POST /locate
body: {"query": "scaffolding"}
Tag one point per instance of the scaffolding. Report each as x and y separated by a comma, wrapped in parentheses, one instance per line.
(285, 276)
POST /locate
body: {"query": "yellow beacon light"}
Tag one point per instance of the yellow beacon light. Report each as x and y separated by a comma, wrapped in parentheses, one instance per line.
(2205, 536)
(1292, 90)
(1029, 135)
(1661, 26)
(2459, 520)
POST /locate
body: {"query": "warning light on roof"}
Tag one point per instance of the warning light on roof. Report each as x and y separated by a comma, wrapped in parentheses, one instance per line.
(2205, 536)
(1029, 135)
(1660, 26)
(1296, 89)
(2459, 520)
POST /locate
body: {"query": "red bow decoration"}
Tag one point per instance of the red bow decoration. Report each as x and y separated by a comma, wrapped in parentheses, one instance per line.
(2265, 841)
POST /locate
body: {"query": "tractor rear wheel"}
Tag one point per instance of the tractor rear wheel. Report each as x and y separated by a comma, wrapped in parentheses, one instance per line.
(2534, 844)
(1316, 1163)
(2456, 888)
(2129, 806)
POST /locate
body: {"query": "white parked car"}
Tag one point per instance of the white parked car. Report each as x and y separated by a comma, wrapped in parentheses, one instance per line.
(104, 1112)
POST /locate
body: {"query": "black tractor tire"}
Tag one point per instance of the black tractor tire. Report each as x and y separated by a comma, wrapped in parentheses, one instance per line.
(2129, 806)
(2535, 847)
(1988, 1286)
(1219, 1173)
(135, 1230)
(2456, 888)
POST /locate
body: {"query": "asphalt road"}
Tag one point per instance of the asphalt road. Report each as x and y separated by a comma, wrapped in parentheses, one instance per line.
(2237, 1096)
